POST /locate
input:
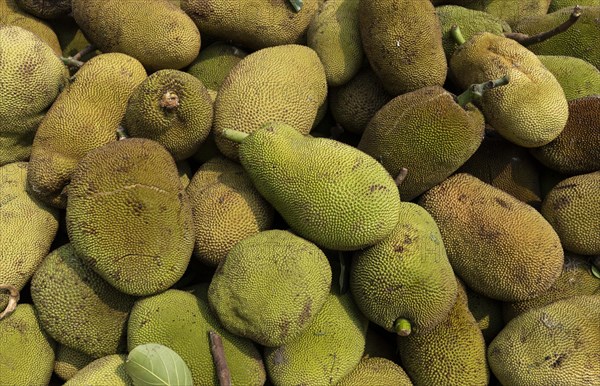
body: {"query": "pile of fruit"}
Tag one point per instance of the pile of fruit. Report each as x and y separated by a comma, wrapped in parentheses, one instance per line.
(300, 192)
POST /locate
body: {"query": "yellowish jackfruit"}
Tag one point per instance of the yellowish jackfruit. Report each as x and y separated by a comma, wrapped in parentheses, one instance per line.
(11, 14)
(577, 77)
(214, 63)
(69, 361)
(376, 371)
(108, 370)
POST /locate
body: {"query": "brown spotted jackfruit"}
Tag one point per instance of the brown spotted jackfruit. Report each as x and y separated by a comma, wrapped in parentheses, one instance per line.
(45, 9)
(11, 14)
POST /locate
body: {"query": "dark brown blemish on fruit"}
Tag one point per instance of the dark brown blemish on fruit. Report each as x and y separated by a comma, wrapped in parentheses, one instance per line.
(503, 203)
(375, 187)
(306, 313)
(566, 186)
(561, 202)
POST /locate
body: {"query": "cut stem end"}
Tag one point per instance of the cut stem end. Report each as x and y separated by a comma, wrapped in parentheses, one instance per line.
(476, 91)
(13, 299)
(169, 100)
(402, 327)
(457, 35)
(234, 135)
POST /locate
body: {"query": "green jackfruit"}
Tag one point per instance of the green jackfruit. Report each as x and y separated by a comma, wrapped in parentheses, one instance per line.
(531, 110)
(555, 5)
(408, 132)
(501, 247)
(403, 43)
(157, 33)
(108, 370)
(405, 279)
(329, 348)
(509, 10)
(334, 34)
(376, 371)
(26, 350)
(181, 321)
(45, 9)
(573, 209)
(328, 192)
(174, 109)
(226, 209)
(214, 63)
(28, 228)
(32, 77)
(69, 361)
(11, 14)
(487, 312)
(128, 216)
(558, 344)
(85, 116)
(289, 86)
(77, 307)
(577, 77)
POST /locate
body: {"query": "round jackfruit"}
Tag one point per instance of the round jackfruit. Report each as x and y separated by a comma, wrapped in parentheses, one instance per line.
(26, 350)
(172, 108)
(69, 361)
(577, 77)
(376, 371)
(108, 370)
(157, 33)
(77, 307)
(11, 14)
(129, 218)
(32, 77)
(572, 207)
(181, 321)
(214, 63)
(294, 273)
(45, 9)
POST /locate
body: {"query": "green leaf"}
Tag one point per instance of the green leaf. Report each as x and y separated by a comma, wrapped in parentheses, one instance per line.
(154, 364)
(595, 271)
(297, 4)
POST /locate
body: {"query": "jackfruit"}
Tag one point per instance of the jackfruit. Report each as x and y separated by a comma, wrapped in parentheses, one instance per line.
(558, 344)
(403, 44)
(128, 216)
(328, 192)
(45, 9)
(11, 14)
(26, 350)
(181, 321)
(577, 149)
(376, 371)
(85, 116)
(108, 370)
(573, 209)
(32, 77)
(509, 10)
(226, 209)
(71, 38)
(27, 229)
(329, 348)
(555, 5)
(287, 83)
(77, 307)
(408, 132)
(173, 108)
(405, 281)
(577, 77)
(214, 63)
(452, 353)
(487, 312)
(157, 33)
(380, 343)
(69, 361)
(501, 247)
(334, 34)
(579, 41)
(253, 24)
(576, 279)
(531, 110)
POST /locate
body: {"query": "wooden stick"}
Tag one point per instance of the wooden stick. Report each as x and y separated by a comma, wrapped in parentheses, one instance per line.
(401, 176)
(218, 354)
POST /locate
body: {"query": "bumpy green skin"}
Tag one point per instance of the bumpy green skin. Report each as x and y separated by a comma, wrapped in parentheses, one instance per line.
(28, 229)
(470, 21)
(32, 77)
(576, 279)
(555, 5)
(330, 347)
(577, 77)
(181, 321)
(128, 216)
(334, 34)
(294, 272)
(408, 132)
(214, 63)
(580, 41)
(108, 370)
(531, 110)
(180, 129)
(45, 9)
(158, 33)
(26, 350)
(452, 353)
(572, 208)
(558, 344)
(577, 149)
(11, 14)
(407, 275)
(77, 307)
(400, 40)
(376, 371)
(69, 361)
(328, 192)
(226, 208)
(85, 116)
(509, 10)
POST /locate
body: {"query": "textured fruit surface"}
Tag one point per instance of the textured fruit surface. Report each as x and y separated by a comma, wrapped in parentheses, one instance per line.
(45, 9)
(109, 370)
(376, 371)
(214, 63)
(11, 14)
(577, 77)
(69, 361)
(487, 312)
(555, 5)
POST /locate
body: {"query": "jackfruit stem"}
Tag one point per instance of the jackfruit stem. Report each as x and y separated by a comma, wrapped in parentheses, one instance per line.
(401, 176)
(169, 100)
(526, 40)
(457, 35)
(402, 327)
(218, 354)
(121, 134)
(476, 91)
(13, 299)
(86, 50)
(234, 135)
(71, 62)
(296, 4)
